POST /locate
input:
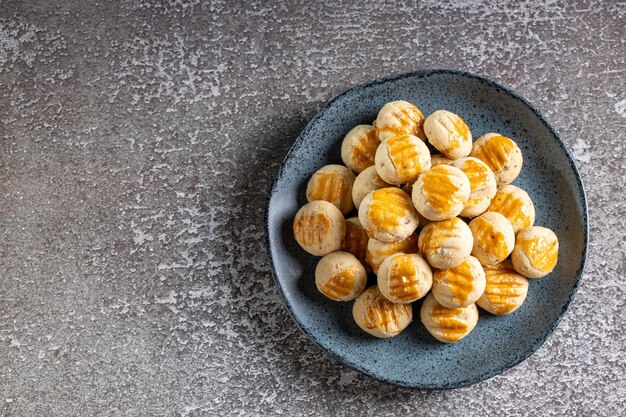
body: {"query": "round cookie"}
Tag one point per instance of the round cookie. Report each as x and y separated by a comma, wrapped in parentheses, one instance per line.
(332, 183)
(505, 290)
(359, 147)
(366, 181)
(448, 324)
(482, 185)
(402, 159)
(446, 244)
(378, 316)
(514, 204)
(459, 286)
(536, 252)
(378, 251)
(404, 278)
(448, 133)
(340, 276)
(388, 215)
(441, 193)
(355, 241)
(501, 154)
(319, 227)
(438, 159)
(494, 238)
(399, 118)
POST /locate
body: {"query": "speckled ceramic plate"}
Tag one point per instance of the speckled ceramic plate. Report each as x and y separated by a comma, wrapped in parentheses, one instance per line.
(414, 358)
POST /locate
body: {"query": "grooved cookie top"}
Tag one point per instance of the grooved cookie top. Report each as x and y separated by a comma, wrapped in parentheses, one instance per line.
(399, 118)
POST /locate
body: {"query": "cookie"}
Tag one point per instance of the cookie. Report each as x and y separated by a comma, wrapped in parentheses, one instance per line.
(441, 193)
(359, 148)
(448, 133)
(332, 183)
(319, 228)
(404, 278)
(378, 316)
(536, 252)
(340, 276)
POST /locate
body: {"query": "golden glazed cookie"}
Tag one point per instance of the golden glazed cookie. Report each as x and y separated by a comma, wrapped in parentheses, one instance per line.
(399, 118)
(359, 147)
(505, 290)
(536, 252)
(448, 133)
(501, 154)
(448, 324)
(446, 244)
(356, 239)
(441, 193)
(514, 204)
(494, 238)
(378, 251)
(482, 185)
(388, 215)
(332, 183)
(459, 286)
(366, 181)
(402, 159)
(378, 316)
(319, 228)
(404, 278)
(340, 276)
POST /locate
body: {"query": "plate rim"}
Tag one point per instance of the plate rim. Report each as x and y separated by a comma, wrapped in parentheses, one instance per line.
(423, 73)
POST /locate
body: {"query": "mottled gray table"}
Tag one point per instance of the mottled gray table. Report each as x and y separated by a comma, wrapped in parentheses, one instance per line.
(137, 143)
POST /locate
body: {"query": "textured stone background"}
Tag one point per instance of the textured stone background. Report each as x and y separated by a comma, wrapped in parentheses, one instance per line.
(138, 140)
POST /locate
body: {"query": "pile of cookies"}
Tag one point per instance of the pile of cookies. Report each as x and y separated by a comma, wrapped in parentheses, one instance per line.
(447, 227)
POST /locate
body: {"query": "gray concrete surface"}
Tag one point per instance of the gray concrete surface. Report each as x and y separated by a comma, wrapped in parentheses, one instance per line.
(138, 139)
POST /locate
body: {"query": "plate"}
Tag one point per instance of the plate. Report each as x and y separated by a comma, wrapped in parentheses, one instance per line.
(414, 358)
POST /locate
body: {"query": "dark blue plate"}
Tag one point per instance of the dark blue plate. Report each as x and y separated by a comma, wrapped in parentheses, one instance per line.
(414, 358)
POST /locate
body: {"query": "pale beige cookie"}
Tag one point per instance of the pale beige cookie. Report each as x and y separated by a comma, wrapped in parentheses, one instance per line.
(340, 276)
(536, 252)
(505, 291)
(514, 204)
(446, 244)
(378, 316)
(388, 215)
(359, 147)
(441, 193)
(448, 133)
(404, 278)
(332, 183)
(448, 324)
(366, 181)
(459, 286)
(482, 185)
(402, 159)
(399, 118)
(494, 238)
(438, 159)
(356, 239)
(378, 251)
(319, 227)
(501, 154)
